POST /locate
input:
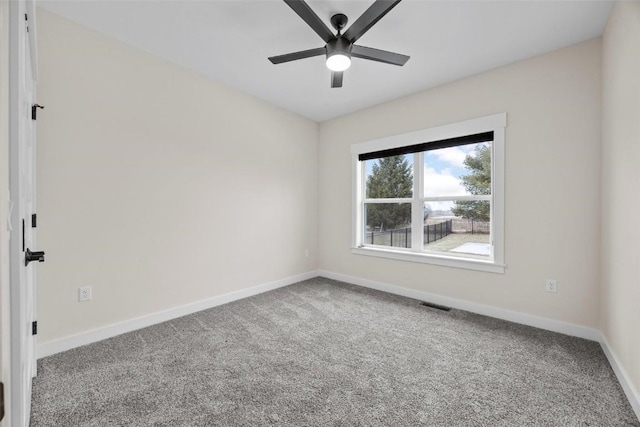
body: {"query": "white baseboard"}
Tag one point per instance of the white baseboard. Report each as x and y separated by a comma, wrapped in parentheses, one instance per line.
(499, 313)
(109, 331)
(632, 393)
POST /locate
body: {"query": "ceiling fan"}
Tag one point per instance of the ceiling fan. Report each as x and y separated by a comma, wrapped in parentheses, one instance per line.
(340, 48)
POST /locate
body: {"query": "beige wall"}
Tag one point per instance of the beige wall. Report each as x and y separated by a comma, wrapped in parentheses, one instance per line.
(159, 187)
(620, 299)
(552, 199)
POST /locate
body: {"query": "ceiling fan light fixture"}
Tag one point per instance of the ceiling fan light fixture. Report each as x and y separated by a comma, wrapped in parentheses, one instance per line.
(338, 54)
(338, 62)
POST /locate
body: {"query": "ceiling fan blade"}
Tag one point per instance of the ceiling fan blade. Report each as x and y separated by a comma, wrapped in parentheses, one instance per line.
(378, 55)
(370, 16)
(309, 16)
(297, 55)
(336, 79)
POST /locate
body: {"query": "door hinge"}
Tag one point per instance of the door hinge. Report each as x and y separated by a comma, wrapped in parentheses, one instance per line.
(34, 108)
(34, 327)
(33, 221)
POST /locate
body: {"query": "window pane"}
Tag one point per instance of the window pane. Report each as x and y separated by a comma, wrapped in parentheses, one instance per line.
(389, 177)
(458, 228)
(458, 171)
(388, 224)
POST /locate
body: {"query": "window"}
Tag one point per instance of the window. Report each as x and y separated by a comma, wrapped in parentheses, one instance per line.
(433, 196)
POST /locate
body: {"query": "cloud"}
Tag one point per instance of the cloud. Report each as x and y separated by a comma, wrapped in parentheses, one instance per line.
(452, 155)
(455, 155)
(442, 183)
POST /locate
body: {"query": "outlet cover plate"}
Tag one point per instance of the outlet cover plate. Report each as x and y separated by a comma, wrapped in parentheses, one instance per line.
(84, 293)
(551, 285)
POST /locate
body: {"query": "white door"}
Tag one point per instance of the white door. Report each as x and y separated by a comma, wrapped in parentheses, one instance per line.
(22, 147)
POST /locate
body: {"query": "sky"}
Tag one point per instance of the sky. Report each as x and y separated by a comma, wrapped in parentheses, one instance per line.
(443, 169)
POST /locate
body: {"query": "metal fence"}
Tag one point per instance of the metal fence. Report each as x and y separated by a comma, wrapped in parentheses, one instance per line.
(401, 237)
(435, 232)
(463, 225)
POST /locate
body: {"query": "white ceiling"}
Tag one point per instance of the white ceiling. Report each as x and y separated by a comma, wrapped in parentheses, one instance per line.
(447, 40)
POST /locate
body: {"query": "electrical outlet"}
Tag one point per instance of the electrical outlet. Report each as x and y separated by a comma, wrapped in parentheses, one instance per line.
(306, 253)
(84, 293)
(551, 285)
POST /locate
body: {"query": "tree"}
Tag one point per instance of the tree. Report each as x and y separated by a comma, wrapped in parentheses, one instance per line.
(478, 182)
(390, 177)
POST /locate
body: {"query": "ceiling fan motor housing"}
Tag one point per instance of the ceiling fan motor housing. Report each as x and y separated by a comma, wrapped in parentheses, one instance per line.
(339, 46)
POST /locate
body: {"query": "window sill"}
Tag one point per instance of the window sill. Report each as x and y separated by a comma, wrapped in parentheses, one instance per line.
(447, 261)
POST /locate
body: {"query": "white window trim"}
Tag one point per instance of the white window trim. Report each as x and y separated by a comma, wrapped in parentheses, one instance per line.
(495, 123)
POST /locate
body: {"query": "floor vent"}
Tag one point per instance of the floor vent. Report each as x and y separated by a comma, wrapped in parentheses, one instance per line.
(436, 306)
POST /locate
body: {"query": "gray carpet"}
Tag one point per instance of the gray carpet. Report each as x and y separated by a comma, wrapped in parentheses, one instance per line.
(325, 353)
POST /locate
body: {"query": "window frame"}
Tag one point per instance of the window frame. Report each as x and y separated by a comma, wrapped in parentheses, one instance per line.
(495, 123)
